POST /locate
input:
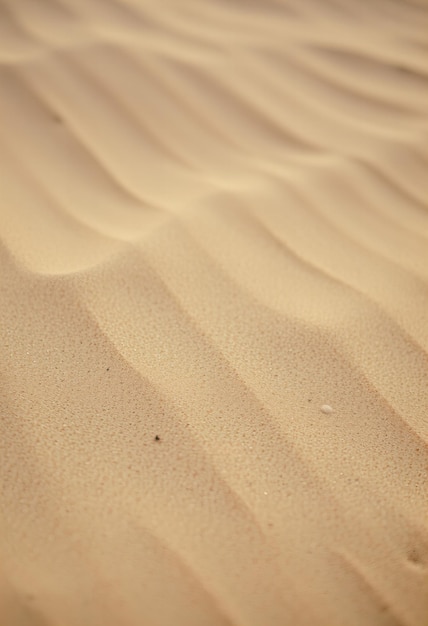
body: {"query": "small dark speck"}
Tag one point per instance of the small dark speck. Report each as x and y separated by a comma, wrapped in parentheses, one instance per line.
(309, 400)
(108, 369)
(415, 558)
(157, 438)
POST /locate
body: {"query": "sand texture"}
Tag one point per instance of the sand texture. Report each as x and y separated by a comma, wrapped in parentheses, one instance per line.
(213, 313)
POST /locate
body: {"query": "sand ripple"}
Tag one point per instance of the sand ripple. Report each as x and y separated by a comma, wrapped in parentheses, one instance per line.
(214, 223)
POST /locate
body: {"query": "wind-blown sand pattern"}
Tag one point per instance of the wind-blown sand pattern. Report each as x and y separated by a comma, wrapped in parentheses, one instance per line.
(214, 313)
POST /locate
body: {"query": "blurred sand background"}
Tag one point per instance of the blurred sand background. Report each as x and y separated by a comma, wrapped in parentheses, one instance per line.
(213, 222)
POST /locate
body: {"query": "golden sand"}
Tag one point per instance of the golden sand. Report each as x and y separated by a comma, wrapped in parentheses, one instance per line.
(213, 313)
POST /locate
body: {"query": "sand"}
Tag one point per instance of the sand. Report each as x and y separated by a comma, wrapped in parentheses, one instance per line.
(213, 313)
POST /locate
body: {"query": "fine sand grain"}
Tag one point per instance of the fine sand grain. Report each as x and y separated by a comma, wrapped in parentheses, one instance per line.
(213, 313)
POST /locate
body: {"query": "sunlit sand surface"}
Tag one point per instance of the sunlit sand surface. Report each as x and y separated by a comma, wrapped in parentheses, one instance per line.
(214, 313)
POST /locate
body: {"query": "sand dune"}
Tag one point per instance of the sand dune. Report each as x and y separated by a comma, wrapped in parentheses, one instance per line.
(214, 221)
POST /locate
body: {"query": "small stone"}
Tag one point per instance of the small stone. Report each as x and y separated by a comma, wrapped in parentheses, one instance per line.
(326, 408)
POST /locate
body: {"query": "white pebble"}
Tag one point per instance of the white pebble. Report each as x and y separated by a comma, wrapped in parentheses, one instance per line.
(326, 408)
